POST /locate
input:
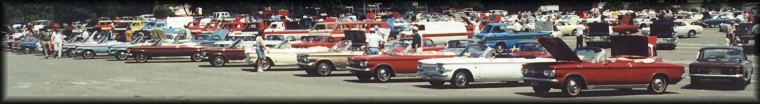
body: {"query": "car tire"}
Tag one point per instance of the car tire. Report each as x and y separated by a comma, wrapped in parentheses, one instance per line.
(382, 74)
(460, 79)
(141, 57)
(217, 61)
(324, 68)
(541, 89)
(658, 84)
(362, 76)
(691, 34)
(71, 53)
(574, 32)
(88, 54)
(311, 71)
(501, 48)
(196, 57)
(122, 55)
(267, 64)
(572, 86)
(628, 32)
(27, 50)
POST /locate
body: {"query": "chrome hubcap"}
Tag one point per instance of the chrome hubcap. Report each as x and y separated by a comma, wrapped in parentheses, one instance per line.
(383, 74)
(141, 57)
(658, 84)
(324, 69)
(197, 56)
(88, 54)
(573, 87)
(27, 50)
(72, 53)
(500, 48)
(461, 79)
(123, 55)
(218, 61)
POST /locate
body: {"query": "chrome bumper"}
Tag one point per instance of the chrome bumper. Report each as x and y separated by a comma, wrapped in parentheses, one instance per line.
(357, 69)
(540, 79)
(719, 76)
(435, 76)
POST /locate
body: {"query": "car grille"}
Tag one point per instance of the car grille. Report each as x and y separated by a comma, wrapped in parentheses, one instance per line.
(354, 63)
(428, 67)
(720, 70)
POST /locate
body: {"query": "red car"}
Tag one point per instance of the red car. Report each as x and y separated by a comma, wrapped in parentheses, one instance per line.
(529, 49)
(143, 53)
(586, 68)
(194, 26)
(624, 25)
(396, 62)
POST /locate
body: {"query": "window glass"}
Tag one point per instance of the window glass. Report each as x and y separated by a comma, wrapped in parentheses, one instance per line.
(500, 29)
(429, 43)
(587, 55)
(486, 29)
(721, 55)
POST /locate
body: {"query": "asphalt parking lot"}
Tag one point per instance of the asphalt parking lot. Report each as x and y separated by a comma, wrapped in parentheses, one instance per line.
(31, 76)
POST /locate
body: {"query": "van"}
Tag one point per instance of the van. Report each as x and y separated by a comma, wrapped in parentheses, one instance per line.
(439, 32)
(224, 16)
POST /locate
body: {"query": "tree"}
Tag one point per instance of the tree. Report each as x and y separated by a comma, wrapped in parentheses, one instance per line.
(162, 10)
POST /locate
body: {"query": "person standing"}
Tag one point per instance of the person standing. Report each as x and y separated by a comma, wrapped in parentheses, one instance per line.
(45, 41)
(260, 48)
(579, 35)
(730, 33)
(416, 40)
(57, 38)
(373, 42)
(128, 34)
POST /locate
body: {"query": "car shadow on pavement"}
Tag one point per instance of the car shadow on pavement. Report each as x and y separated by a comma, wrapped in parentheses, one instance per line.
(607, 93)
(720, 86)
(389, 81)
(331, 75)
(224, 66)
(94, 58)
(115, 60)
(473, 85)
(270, 70)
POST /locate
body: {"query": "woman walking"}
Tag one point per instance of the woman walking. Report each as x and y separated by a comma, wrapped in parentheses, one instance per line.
(260, 48)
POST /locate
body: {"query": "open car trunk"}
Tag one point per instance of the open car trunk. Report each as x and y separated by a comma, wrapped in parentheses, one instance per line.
(662, 30)
(629, 45)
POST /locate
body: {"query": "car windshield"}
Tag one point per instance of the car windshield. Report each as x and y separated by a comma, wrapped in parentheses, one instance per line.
(201, 37)
(458, 44)
(473, 51)
(323, 27)
(136, 41)
(341, 45)
(721, 55)
(235, 43)
(486, 29)
(274, 37)
(397, 48)
(588, 55)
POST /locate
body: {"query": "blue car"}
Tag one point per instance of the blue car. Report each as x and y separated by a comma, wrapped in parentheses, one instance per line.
(497, 36)
(210, 39)
(717, 20)
(28, 46)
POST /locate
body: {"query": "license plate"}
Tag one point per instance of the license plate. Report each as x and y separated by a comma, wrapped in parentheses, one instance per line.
(714, 71)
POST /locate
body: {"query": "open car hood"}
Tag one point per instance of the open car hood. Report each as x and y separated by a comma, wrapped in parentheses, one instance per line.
(629, 45)
(662, 30)
(558, 49)
(598, 29)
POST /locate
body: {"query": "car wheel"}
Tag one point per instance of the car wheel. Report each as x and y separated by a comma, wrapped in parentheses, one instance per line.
(122, 55)
(27, 50)
(436, 83)
(311, 71)
(197, 57)
(324, 68)
(572, 86)
(628, 32)
(695, 80)
(71, 53)
(141, 57)
(460, 79)
(501, 48)
(265, 65)
(88, 54)
(658, 85)
(692, 34)
(541, 89)
(217, 61)
(574, 32)
(363, 76)
(382, 74)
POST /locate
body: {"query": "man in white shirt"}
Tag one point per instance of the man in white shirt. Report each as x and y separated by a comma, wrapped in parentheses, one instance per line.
(57, 38)
(373, 42)
(517, 26)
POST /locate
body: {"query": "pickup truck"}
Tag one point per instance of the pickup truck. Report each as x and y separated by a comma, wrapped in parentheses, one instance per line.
(498, 36)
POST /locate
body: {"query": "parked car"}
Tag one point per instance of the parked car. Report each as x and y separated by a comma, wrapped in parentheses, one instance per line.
(721, 62)
(715, 21)
(397, 61)
(475, 64)
(529, 49)
(497, 35)
(318, 40)
(120, 51)
(744, 38)
(28, 45)
(144, 53)
(666, 36)
(586, 68)
(568, 29)
(90, 50)
(682, 29)
(439, 32)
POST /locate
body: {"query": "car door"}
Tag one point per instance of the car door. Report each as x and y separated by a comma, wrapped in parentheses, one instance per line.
(681, 28)
(612, 73)
(563, 27)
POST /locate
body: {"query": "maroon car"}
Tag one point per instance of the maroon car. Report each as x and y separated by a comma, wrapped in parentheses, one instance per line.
(587, 68)
(143, 53)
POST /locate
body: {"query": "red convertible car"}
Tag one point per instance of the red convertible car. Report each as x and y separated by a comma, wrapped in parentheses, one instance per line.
(586, 68)
(143, 53)
(396, 62)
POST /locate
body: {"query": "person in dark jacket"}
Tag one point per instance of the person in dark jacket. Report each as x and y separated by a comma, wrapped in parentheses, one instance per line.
(416, 40)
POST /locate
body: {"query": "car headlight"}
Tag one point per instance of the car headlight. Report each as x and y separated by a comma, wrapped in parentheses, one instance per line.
(419, 66)
(524, 71)
(305, 58)
(549, 73)
(363, 63)
(440, 68)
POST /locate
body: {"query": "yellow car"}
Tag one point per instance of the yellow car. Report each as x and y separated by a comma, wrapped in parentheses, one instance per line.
(137, 25)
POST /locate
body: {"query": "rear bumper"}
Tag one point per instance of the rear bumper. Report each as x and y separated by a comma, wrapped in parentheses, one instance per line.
(716, 76)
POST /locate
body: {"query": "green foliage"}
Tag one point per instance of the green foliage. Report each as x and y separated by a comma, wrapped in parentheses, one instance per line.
(162, 10)
(711, 4)
(615, 5)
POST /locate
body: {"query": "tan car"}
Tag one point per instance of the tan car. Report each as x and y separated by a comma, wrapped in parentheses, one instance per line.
(322, 63)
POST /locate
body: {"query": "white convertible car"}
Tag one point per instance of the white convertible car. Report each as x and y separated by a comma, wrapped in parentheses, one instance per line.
(474, 64)
(565, 28)
(682, 29)
(287, 56)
